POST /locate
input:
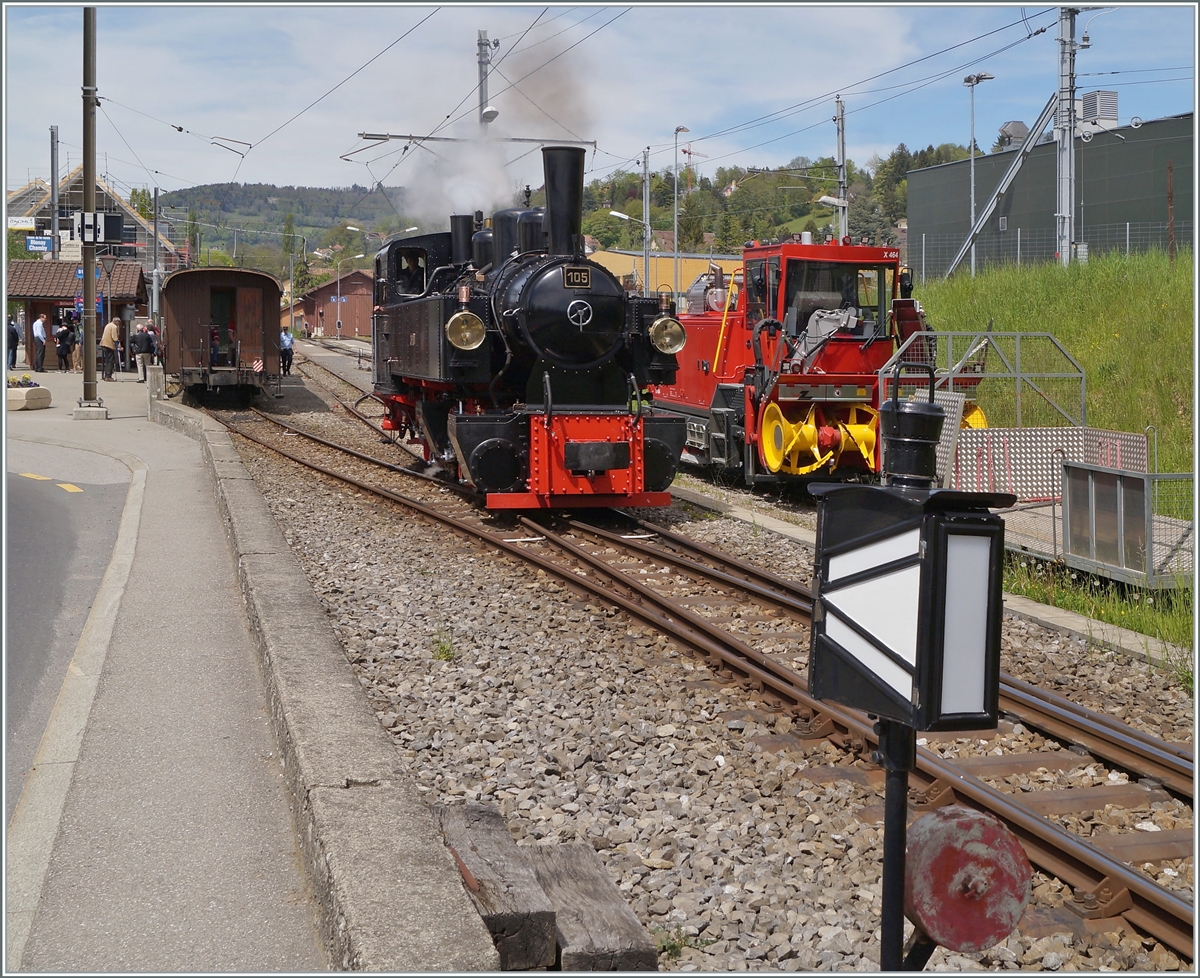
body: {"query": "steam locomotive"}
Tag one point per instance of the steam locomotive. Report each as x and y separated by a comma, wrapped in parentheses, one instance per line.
(521, 366)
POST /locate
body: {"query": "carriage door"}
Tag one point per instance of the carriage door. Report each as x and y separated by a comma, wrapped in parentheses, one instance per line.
(249, 338)
(222, 326)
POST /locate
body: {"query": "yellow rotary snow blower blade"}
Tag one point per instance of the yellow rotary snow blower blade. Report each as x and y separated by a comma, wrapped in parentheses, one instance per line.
(973, 416)
(862, 434)
(783, 442)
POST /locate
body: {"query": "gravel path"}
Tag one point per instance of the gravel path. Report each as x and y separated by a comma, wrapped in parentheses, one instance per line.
(501, 685)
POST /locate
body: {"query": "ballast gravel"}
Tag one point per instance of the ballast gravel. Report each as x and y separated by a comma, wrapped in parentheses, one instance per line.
(499, 684)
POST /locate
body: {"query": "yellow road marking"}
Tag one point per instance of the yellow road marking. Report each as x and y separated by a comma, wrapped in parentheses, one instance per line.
(32, 475)
(67, 486)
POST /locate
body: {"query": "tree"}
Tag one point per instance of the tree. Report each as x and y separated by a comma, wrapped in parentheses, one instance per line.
(16, 247)
(192, 235)
(729, 237)
(141, 201)
(603, 227)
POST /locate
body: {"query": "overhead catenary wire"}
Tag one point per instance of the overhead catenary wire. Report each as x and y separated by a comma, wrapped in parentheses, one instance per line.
(818, 100)
(356, 71)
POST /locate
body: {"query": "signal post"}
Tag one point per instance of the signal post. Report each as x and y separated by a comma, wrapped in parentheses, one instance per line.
(906, 626)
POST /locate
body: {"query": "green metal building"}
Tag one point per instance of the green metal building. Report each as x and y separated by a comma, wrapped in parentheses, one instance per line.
(1121, 198)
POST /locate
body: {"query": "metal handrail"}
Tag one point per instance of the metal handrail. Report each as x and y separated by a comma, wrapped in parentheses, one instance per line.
(975, 340)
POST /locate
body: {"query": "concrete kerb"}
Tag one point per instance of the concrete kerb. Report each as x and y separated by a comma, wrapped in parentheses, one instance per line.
(390, 895)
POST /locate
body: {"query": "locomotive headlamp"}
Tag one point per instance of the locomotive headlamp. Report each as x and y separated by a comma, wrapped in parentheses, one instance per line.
(667, 335)
(465, 331)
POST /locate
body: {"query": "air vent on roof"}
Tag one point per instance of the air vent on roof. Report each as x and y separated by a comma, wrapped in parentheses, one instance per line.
(1099, 105)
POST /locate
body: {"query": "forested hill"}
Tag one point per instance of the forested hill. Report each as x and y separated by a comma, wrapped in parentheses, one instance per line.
(264, 205)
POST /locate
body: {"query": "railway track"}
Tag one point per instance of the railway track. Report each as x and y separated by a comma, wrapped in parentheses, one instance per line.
(707, 600)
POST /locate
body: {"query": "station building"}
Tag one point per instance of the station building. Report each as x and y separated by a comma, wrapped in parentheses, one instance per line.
(33, 203)
(56, 289)
(319, 306)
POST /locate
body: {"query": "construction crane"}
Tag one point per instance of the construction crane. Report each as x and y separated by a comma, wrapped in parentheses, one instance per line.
(689, 152)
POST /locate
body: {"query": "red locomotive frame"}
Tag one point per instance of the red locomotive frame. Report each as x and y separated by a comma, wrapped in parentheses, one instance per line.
(781, 373)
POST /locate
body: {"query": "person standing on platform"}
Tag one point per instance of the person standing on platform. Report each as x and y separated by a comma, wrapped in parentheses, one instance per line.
(14, 340)
(62, 346)
(77, 347)
(286, 343)
(39, 343)
(108, 348)
(141, 346)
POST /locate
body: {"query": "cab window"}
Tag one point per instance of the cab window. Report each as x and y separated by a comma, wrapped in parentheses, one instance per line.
(410, 271)
(756, 291)
(837, 286)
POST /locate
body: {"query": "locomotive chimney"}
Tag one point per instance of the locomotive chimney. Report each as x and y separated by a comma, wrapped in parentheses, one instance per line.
(461, 228)
(563, 167)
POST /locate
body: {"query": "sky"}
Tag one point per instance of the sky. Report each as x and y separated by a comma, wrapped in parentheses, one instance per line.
(199, 94)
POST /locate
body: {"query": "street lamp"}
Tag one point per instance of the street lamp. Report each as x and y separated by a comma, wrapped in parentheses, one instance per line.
(339, 291)
(675, 206)
(621, 215)
(971, 81)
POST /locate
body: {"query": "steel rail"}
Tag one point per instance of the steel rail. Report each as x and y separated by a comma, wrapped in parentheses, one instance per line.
(1116, 746)
(464, 491)
(765, 593)
(1184, 751)
(1154, 909)
(1104, 736)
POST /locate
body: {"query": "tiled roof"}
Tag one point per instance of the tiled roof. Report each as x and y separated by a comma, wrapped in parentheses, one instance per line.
(40, 279)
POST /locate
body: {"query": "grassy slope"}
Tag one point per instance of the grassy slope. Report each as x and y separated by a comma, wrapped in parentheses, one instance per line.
(1128, 321)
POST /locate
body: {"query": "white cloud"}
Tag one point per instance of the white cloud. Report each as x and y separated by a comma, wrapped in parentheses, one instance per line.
(240, 72)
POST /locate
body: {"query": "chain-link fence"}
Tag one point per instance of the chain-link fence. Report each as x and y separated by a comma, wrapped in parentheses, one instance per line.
(929, 255)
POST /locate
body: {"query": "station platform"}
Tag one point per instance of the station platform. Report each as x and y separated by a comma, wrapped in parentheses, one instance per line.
(197, 782)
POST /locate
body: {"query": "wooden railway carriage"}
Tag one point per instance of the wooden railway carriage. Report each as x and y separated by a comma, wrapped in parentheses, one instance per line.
(221, 328)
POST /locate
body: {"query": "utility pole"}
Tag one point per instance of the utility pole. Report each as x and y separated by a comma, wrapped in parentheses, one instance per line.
(1064, 135)
(646, 221)
(486, 113)
(843, 210)
(292, 290)
(54, 193)
(89, 207)
(675, 208)
(154, 313)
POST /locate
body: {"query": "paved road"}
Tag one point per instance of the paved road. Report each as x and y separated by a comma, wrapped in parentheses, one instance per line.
(59, 543)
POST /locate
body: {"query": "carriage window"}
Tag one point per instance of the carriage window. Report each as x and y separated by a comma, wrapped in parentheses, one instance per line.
(772, 285)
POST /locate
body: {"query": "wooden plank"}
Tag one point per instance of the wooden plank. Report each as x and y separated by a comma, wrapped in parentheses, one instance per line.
(1146, 847)
(1064, 801)
(1001, 765)
(502, 884)
(596, 929)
